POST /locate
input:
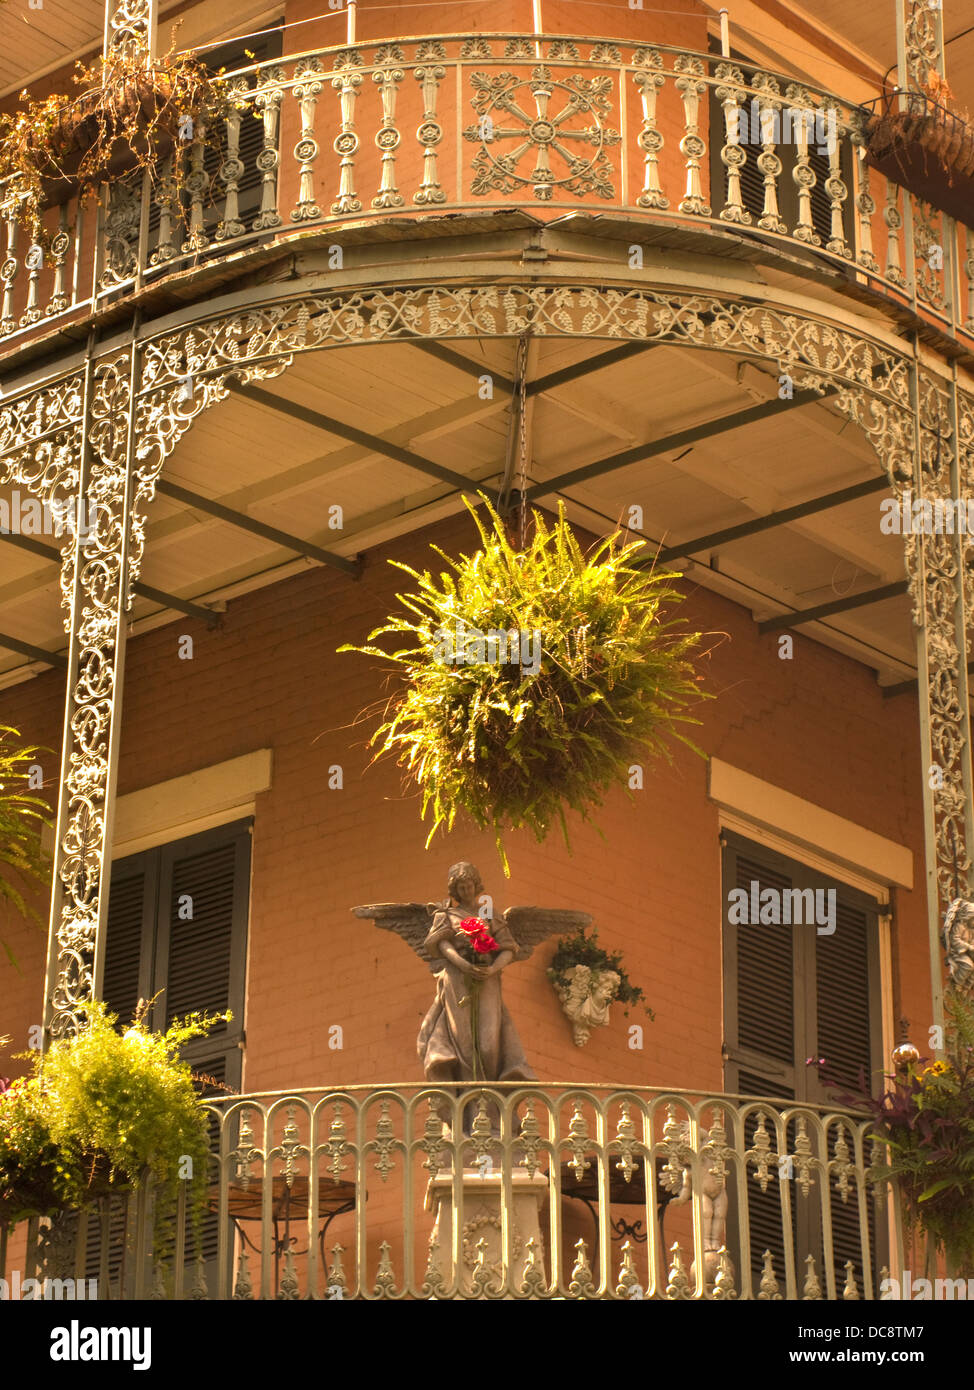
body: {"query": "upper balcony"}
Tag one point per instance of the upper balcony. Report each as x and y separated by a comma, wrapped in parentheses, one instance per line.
(407, 139)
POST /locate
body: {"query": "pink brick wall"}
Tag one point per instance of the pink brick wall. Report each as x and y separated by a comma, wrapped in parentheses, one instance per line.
(816, 725)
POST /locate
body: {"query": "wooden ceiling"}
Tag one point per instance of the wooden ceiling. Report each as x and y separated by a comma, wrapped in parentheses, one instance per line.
(870, 26)
(254, 457)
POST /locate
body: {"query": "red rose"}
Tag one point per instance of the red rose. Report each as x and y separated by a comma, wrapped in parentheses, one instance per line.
(484, 943)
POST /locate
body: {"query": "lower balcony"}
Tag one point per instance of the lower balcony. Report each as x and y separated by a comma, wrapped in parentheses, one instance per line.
(507, 1191)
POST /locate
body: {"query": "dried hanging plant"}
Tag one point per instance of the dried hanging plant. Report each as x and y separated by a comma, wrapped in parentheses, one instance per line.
(131, 111)
(533, 677)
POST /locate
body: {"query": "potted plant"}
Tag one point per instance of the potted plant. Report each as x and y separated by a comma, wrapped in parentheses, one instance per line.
(926, 1119)
(587, 979)
(919, 139)
(531, 677)
(103, 1111)
(130, 112)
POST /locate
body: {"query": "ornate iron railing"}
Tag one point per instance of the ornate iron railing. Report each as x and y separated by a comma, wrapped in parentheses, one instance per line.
(471, 122)
(511, 1191)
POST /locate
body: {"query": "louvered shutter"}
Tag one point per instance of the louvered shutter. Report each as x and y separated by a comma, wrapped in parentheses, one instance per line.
(177, 929)
(848, 1037)
(201, 941)
(791, 993)
(760, 1009)
(130, 928)
(760, 1014)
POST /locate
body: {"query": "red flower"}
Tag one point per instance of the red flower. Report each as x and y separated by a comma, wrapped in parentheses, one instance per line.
(480, 938)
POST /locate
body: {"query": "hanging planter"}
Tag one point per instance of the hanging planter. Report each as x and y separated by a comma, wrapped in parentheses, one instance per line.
(532, 678)
(927, 146)
(103, 1112)
(131, 111)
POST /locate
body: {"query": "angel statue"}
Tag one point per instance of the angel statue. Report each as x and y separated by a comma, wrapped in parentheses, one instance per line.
(468, 1035)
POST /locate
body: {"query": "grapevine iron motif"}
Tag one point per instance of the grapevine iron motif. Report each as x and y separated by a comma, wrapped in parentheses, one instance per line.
(185, 371)
(546, 133)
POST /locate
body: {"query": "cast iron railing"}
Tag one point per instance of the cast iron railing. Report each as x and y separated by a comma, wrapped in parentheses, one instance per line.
(516, 1191)
(472, 122)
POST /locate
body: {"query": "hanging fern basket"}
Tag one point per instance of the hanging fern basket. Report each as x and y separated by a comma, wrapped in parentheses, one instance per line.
(531, 679)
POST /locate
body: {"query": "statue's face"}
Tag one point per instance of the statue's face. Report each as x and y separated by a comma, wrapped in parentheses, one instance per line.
(469, 888)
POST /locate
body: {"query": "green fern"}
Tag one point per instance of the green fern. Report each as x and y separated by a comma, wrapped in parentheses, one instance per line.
(511, 746)
(21, 818)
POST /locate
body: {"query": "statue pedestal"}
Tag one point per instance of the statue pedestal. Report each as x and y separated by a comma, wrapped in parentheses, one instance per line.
(482, 1222)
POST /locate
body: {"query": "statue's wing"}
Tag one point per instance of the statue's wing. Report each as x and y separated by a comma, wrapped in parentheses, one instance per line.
(532, 925)
(411, 921)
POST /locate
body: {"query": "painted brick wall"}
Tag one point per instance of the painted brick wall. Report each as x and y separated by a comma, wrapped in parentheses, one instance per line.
(270, 676)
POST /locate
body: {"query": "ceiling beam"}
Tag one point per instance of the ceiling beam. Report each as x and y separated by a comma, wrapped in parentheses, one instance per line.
(257, 528)
(465, 364)
(681, 439)
(542, 383)
(53, 555)
(14, 644)
(591, 364)
(778, 518)
(373, 442)
(826, 610)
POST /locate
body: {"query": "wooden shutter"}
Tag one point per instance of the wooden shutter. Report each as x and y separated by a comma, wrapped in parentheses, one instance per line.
(202, 939)
(191, 961)
(759, 1005)
(790, 994)
(130, 928)
(760, 1043)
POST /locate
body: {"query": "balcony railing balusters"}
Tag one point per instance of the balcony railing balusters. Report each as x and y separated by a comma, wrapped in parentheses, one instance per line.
(267, 99)
(347, 84)
(865, 211)
(306, 90)
(196, 184)
(769, 109)
(484, 1163)
(649, 79)
(387, 79)
(693, 147)
(60, 245)
(803, 175)
(546, 122)
(836, 186)
(430, 132)
(34, 263)
(894, 221)
(733, 156)
(8, 271)
(232, 168)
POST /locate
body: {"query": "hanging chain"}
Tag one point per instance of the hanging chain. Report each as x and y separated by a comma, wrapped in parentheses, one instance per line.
(522, 364)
